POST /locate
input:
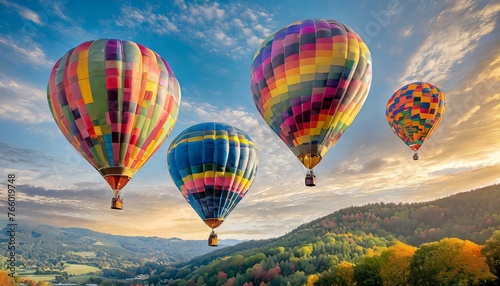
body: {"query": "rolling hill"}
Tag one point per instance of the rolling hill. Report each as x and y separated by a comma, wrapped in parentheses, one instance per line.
(51, 244)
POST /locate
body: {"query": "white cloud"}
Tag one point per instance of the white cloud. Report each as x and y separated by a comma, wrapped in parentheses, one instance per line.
(147, 19)
(229, 29)
(180, 3)
(211, 11)
(22, 102)
(30, 15)
(250, 15)
(57, 8)
(406, 32)
(24, 12)
(28, 52)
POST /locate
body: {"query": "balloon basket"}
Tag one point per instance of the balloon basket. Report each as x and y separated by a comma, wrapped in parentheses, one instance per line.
(310, 181)
(117, 203)
(415, 156)
(213, 240)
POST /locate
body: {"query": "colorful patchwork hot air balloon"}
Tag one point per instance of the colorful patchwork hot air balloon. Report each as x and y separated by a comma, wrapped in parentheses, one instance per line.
(309, 81)
(213, 165)
(116, 102)
(414, 112)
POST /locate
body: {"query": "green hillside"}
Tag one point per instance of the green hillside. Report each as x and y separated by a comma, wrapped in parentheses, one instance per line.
(432, 243)
(348, 235)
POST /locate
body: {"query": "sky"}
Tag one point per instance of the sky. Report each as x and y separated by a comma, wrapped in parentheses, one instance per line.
(210, 46)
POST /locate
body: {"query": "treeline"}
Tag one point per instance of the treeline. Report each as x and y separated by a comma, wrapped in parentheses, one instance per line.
(349, 235)
(472, 215)
(355, 240)
(450, 261)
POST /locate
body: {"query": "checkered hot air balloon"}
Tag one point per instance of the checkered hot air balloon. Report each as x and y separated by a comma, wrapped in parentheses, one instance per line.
(414, 112)
(309, 80)
(116, 102)
(213, 165)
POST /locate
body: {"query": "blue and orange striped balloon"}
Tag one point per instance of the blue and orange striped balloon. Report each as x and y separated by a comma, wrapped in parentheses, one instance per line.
(213, 165)
(115, 102)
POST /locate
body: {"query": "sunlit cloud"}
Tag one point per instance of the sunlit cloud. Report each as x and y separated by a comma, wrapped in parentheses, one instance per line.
(450, 38)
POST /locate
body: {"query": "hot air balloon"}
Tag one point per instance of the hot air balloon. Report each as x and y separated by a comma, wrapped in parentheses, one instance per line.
(115, 102)
(414, 112)
(213, 165)
(309, 80)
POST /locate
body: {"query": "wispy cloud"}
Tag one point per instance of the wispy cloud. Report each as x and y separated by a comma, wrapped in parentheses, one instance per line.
(231, 29)
(37, 168)
(167, 212)
(27, 51)
(22, 102)
(453, 34)
(24, 12)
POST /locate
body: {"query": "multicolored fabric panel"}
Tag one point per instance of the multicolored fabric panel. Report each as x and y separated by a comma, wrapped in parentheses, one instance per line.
(116, 102)
(415, 111)
(213, 165)
(309, 81)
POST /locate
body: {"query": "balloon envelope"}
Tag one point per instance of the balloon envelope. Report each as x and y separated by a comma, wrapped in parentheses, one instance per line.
(309, 81)
(116, 102)
(414, 111)
(213, 165)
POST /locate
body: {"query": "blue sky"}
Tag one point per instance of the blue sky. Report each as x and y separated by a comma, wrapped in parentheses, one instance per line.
(209, 45)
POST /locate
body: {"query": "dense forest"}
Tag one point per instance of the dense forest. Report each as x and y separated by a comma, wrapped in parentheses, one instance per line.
(450, 241)
(357, 240)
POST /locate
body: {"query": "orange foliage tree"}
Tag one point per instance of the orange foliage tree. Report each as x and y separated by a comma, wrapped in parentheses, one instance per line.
(449, 261)
(6, 280)
(395, 264)
(345, 271)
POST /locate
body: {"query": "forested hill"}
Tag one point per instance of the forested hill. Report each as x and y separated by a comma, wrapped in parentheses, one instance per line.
(472, 215)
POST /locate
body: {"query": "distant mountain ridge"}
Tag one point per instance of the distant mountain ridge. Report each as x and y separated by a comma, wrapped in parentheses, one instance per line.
(95, 248)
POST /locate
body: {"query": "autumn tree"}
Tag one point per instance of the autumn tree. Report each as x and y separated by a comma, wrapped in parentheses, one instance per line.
(395, 264)
(311, 279)
(449, 261)
(341, 275)
(6, 280)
